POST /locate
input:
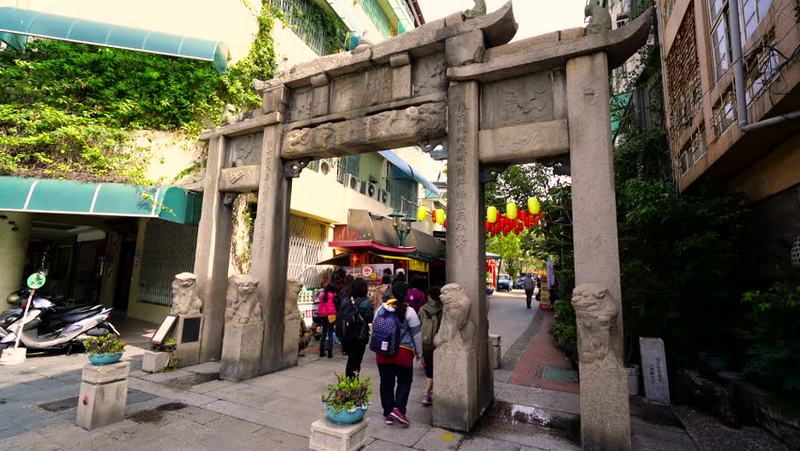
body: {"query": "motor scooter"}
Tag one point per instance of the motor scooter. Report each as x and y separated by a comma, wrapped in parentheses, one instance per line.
(46, 327)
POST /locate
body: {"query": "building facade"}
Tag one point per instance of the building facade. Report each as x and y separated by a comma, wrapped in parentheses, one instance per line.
(745, 135)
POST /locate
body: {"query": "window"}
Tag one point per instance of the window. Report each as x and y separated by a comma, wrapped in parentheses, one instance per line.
(718, 10)
(724, 113)
(691, 153)
(753, 11)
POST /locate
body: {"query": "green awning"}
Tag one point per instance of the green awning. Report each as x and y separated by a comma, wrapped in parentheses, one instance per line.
(15, 22)
(170, 203)
(619, 104)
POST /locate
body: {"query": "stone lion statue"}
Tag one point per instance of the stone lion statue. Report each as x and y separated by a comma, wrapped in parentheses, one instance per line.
(184, 295)
(456, 328)
(293, 287)
(242, 305)
(479, 9)
(596, 314)
(600, 19)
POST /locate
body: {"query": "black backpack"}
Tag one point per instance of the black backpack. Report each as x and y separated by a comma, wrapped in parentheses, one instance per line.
(348, 322)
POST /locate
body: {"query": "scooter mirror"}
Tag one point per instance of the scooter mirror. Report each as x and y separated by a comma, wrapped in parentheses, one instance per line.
(13, 298)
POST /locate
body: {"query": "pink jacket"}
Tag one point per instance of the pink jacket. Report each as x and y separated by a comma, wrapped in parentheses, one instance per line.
(326, 306)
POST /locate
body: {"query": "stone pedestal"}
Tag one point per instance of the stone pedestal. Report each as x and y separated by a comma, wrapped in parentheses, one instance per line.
(153, 362)
(104, 392)
(329, 436)
(241, 351)
(455, 406)
(495, 354)
(188, 334)
(291, 341)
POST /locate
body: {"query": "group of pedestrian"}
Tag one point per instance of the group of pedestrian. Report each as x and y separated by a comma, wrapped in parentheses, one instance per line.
(398, 323)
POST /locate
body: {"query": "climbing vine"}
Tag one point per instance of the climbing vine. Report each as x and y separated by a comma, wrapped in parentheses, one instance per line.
(67, 110)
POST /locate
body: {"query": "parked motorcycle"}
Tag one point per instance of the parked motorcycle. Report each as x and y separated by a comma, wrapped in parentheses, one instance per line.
(47, 327)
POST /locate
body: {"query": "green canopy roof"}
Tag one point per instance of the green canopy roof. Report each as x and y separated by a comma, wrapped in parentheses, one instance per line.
(15, 22)
(170, 203)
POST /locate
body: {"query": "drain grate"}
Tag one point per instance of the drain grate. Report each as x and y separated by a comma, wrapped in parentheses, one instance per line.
(60, 405)
(557, 374)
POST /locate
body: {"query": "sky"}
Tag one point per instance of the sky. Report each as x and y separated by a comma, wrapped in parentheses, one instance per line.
(534, 17)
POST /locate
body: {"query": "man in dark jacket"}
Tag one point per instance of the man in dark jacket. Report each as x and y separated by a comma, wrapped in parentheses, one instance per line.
(528, 284)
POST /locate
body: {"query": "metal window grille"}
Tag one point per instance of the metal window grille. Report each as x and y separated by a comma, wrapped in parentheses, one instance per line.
(168, 250)
(348, 165)
(378, 17)
(795, 253)
(306, 242)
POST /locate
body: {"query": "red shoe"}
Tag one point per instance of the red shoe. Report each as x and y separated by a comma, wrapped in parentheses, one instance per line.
(388, 420)
(399, 416)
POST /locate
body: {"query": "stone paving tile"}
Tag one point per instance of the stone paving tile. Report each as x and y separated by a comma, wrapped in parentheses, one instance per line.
(166, 376)
(12, 431)
(193, 399)
(536, 441)
(206, 387)
(381, 445)
(28, 441)
(540, 397)
(198, 414)
(203, 368)
(278, 440)
(406, 436)
(502, 375)
(661, 445)
(264, 418)
(477, 443)
(662, 433)
(246, 394)
(437, 439)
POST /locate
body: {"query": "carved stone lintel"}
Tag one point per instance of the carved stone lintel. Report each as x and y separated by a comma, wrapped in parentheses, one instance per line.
(457, 330)
(388, 129)
(600, 19)
(184, 295)
(242, 304)
(242, 179)
(293, 168)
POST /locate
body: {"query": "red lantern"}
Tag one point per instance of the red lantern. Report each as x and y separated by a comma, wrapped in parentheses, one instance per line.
(487, 226)
(518, 228)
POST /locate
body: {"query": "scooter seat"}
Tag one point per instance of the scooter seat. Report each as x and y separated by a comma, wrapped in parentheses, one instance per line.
(76, 314)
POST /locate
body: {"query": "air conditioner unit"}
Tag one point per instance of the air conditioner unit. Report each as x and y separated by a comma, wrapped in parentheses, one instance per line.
(371, 190)
(352, 182)
(325, 167)
(383, 196)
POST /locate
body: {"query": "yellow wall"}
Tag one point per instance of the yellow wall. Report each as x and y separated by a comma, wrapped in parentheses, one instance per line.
(139, 310)
(13, 248)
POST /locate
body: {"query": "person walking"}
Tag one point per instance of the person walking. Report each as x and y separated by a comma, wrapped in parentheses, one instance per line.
(327, 314)
(395, 323)
(363, 316)
(431, 316)
(415, 298)
(528, 284)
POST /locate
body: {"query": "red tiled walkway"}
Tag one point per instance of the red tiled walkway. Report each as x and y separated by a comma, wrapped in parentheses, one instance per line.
(542, 351)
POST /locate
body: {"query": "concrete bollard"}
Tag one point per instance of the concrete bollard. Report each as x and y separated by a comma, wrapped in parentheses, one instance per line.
(495, 354)
(329, 436)
(153, 362)
(103, 395)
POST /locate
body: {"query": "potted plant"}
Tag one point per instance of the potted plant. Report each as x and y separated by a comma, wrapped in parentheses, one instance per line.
(105, 349)
(346, 401)
(161, 357)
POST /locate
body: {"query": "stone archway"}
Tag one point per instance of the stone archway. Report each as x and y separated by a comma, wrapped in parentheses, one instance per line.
(458, 80)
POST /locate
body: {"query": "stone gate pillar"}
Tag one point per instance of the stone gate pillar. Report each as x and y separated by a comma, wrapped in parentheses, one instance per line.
(213, 253)
(605, 418)
(465, 256)
(271, 245)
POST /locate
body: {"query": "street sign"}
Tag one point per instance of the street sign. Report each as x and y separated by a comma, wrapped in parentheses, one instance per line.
(36, 280)
(366, 271)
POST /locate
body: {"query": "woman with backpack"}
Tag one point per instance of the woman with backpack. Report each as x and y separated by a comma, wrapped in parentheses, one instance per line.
(396, 340)
(327, 314)
(354, 317)
(431, 316)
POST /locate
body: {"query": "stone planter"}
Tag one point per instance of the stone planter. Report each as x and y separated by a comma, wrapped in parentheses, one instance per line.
(154, 361)
(105, 359)
(350, 416)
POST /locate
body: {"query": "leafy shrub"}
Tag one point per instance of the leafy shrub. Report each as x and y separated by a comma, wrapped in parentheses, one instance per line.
(348, 393)
(104, 344)
(774, 338)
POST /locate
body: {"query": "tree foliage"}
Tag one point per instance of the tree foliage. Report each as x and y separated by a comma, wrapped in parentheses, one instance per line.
(67, 110)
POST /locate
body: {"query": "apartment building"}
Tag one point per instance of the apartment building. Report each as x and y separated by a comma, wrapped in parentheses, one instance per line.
(126, 256)
(742, 129)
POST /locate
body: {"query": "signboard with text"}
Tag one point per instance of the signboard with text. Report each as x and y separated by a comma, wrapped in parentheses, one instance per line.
(654, 370)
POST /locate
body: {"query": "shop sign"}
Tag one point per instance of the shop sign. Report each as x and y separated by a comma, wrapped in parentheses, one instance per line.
(417, 265)
(36, 281)
(366, 271)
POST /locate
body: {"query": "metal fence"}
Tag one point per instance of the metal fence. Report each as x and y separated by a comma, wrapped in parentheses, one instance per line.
(307, 240)
(168, 250)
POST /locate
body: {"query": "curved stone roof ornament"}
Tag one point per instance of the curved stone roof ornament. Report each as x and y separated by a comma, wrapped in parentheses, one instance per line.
(478, 10)
(364, 44)
(599, 18)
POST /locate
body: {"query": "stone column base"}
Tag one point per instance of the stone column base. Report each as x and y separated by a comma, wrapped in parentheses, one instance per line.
(329, 436)
(495, 353)
(241, 351)
(103, 395)
(291, 342)
(188, 334)
(456, 400)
